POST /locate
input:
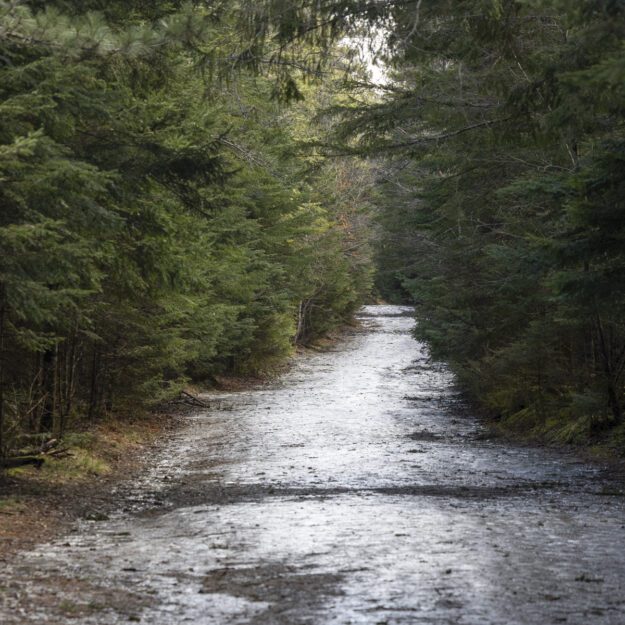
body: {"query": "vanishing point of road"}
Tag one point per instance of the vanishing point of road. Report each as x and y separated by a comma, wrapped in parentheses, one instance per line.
(357, 489)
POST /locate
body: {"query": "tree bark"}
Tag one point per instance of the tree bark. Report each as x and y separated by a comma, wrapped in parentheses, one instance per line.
(2, 318)
(612, 374)
(93, 396)
(49, 390)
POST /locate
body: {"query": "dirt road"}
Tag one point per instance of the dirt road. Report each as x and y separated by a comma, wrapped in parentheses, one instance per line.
(354, 490)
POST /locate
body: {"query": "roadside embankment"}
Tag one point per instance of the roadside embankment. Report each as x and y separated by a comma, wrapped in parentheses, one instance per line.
(38, 503)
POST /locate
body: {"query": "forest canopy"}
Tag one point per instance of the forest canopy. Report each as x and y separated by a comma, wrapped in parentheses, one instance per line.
(159, 223)
(192, 188)
(502, 204)
(497, 137)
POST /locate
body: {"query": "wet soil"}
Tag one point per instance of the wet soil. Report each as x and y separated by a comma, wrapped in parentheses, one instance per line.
(44, 505)
(356, 489)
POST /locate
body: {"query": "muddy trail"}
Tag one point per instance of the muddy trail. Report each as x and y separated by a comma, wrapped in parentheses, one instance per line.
(354, 490)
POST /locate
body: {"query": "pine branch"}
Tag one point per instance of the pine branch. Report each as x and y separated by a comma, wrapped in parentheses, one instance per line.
(446, 136)
(90, 35)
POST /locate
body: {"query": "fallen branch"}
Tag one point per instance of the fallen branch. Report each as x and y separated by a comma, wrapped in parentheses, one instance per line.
(21, 461)
(187, 398)
(48, 446)
(58, 453)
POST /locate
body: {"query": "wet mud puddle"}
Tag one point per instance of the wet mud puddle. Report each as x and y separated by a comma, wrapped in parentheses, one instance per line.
(353, 491)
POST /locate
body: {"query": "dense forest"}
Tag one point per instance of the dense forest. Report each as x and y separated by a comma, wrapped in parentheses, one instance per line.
(160, 220)
(503, 204)
(191, 189)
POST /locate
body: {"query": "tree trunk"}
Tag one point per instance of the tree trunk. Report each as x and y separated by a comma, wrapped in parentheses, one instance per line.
(57, 397)
(610, 369)
(70, 376)
(300, 323)
(49, 390)
(614, 403)
(2, 316)
(93, 396)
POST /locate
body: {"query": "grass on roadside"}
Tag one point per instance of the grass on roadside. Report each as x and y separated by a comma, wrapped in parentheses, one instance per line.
(93, 453)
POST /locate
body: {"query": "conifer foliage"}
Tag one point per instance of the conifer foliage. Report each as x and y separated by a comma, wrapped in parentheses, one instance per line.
(165, 216)
(499, 141)
(156, 224)
(502, 201)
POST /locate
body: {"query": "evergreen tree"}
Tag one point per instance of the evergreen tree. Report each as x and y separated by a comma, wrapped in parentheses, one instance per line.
(158, 221)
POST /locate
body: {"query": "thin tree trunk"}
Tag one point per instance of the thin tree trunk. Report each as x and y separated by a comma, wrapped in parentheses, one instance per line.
(93, 399)
(70, 375)
(610, 374)
(614, 403)
(49, 390)
(57, 398)
(2, 317)
(300, 322)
